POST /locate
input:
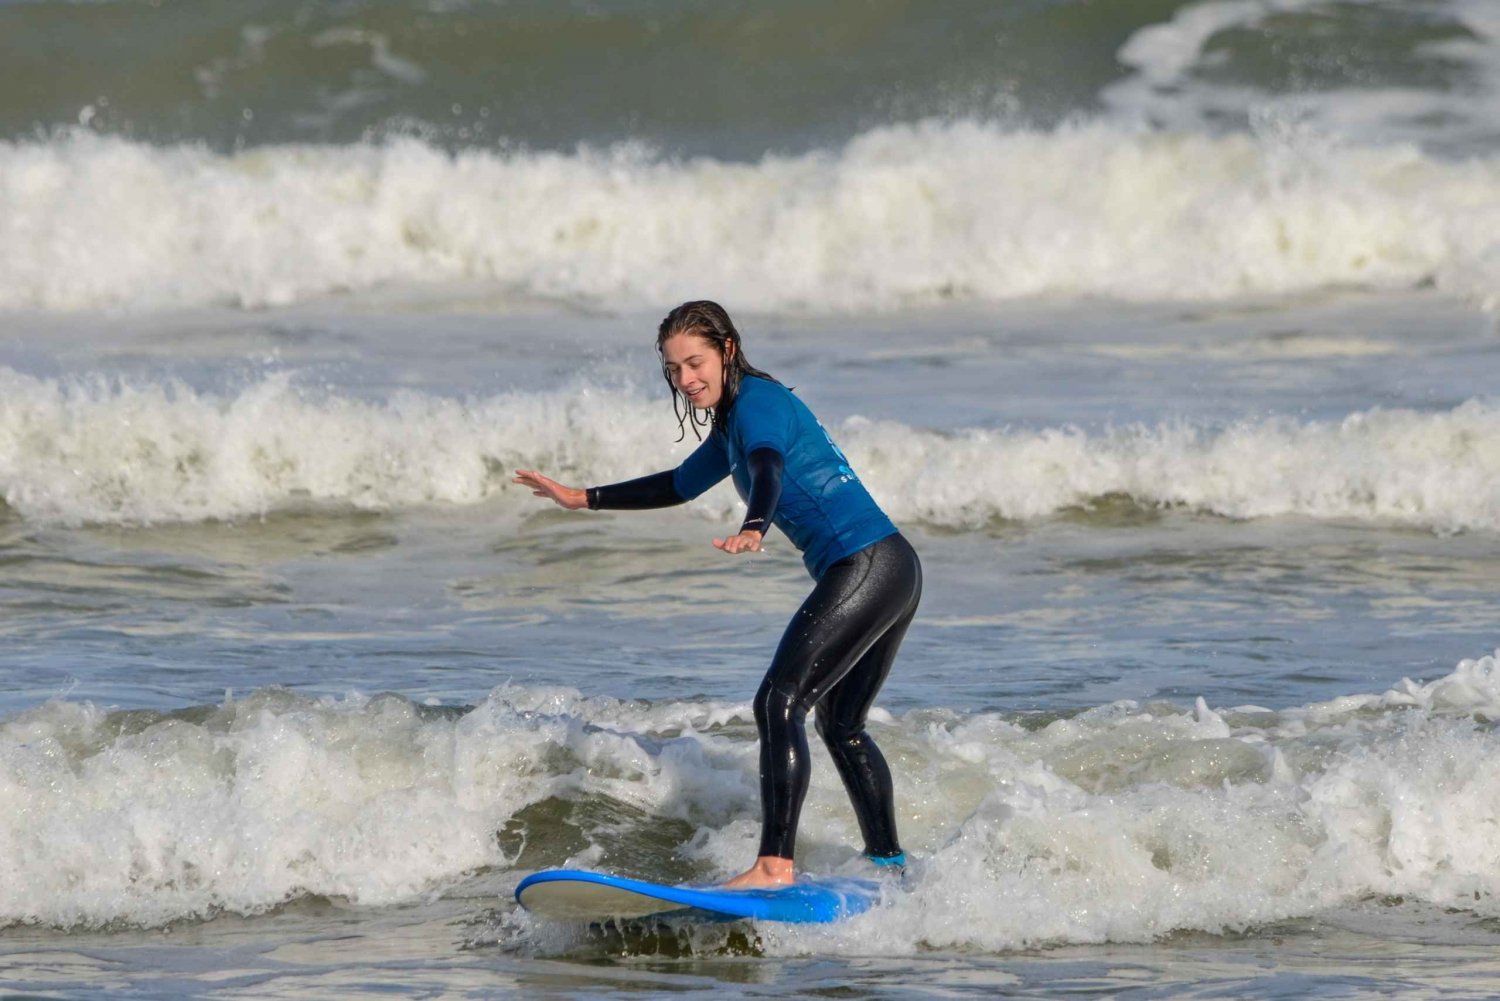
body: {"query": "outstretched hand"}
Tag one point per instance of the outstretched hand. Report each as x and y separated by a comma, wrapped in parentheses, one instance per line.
(571, 498)
(745, 542)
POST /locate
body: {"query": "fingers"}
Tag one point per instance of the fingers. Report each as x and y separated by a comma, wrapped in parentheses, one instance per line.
(542, 486)
(743, 543)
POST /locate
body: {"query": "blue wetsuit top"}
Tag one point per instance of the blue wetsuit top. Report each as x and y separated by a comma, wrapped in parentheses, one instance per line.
(823, 509)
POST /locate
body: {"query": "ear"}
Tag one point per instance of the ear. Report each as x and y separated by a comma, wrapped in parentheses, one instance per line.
(729, 351)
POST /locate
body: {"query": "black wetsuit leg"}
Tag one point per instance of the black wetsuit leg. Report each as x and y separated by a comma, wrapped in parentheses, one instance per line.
(835, 654)
(841, 723)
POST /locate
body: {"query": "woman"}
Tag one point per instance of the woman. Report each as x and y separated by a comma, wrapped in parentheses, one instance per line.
(839, 646)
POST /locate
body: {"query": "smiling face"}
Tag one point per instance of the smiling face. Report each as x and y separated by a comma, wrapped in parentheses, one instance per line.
(696, 369)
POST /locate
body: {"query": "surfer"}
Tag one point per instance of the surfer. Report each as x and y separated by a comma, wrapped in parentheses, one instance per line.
(838, 648)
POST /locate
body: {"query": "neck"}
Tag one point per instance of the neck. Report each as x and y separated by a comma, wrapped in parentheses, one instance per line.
(726, 403)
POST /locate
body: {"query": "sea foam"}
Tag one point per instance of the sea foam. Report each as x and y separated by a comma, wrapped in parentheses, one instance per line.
(900, 215)
(1122, 823)
(112, 451)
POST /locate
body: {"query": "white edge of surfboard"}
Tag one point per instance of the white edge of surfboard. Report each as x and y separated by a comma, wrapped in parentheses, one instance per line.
(581, 901)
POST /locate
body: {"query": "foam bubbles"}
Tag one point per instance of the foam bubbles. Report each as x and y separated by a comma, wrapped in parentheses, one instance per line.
(145, 818)
(1122, 823)
(901, 214)
(110, 451)
(1437, 471)
(1352, 803)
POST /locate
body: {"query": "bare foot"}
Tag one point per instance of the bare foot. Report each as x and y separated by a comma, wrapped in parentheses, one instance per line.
(768, 871)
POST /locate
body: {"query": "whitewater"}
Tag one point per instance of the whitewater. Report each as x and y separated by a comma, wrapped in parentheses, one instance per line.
(1116, 824)
(100, 451)
(901, 215)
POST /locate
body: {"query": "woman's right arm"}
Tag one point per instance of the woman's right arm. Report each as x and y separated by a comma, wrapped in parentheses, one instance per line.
(640, 494)
(652, 491)
(707, 465)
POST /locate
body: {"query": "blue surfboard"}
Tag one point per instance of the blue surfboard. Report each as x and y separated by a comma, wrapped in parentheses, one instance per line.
(579, 895)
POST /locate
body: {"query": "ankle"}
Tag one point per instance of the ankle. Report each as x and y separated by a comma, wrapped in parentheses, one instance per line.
(896, 861)
(775, 866)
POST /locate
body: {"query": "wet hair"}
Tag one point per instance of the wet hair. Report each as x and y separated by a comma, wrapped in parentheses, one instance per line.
(709, 321)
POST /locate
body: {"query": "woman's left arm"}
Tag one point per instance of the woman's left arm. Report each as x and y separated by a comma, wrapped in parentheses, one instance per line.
(765, 466)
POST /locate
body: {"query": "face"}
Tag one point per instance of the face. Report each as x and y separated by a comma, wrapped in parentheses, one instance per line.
(695, 368)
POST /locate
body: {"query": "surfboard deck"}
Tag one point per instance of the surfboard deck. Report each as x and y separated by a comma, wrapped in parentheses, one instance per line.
(580, 895)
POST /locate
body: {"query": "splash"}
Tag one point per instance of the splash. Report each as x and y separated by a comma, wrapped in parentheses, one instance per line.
(900, 215)
(1121, 823)
(109, 451)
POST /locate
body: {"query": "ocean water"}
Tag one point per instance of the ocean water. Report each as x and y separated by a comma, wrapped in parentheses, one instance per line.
(1168, 331)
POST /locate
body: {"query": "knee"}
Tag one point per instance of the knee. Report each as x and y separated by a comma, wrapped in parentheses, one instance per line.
(836, 731)
(772, 705)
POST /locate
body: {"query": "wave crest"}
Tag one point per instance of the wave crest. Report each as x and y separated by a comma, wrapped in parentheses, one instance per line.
(1121, 823)
(111, 452)
(900, 215)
